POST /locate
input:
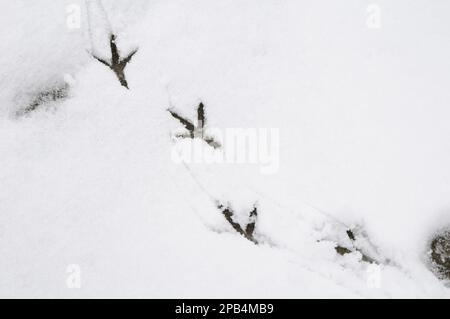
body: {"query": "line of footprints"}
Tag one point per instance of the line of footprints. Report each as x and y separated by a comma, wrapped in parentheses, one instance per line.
(198, 131)
(117, 64)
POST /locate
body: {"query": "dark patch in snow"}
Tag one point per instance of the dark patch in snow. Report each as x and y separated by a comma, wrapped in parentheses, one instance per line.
(350, 235)
(117, 64)
(195, 131)
(440, 254)
(342, 250)
(49, 95)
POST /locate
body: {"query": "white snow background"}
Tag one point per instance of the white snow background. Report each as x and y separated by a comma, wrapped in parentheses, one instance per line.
(362, 115)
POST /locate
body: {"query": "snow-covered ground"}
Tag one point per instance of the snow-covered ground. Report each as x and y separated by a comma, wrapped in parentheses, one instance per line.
(93, 203)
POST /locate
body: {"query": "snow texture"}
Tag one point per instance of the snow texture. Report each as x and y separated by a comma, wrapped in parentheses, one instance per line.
(87, 178)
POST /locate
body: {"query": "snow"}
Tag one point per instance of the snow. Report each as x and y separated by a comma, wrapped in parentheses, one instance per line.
(90, 180)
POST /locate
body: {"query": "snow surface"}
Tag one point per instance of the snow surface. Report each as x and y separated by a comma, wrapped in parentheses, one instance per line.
(89, 180)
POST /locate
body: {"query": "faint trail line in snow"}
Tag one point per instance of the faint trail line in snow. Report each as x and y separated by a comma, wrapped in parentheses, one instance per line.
(299, 261)
(292, 211)
(204, 191)
(102, 7)
(91, 7)
(199, 184)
